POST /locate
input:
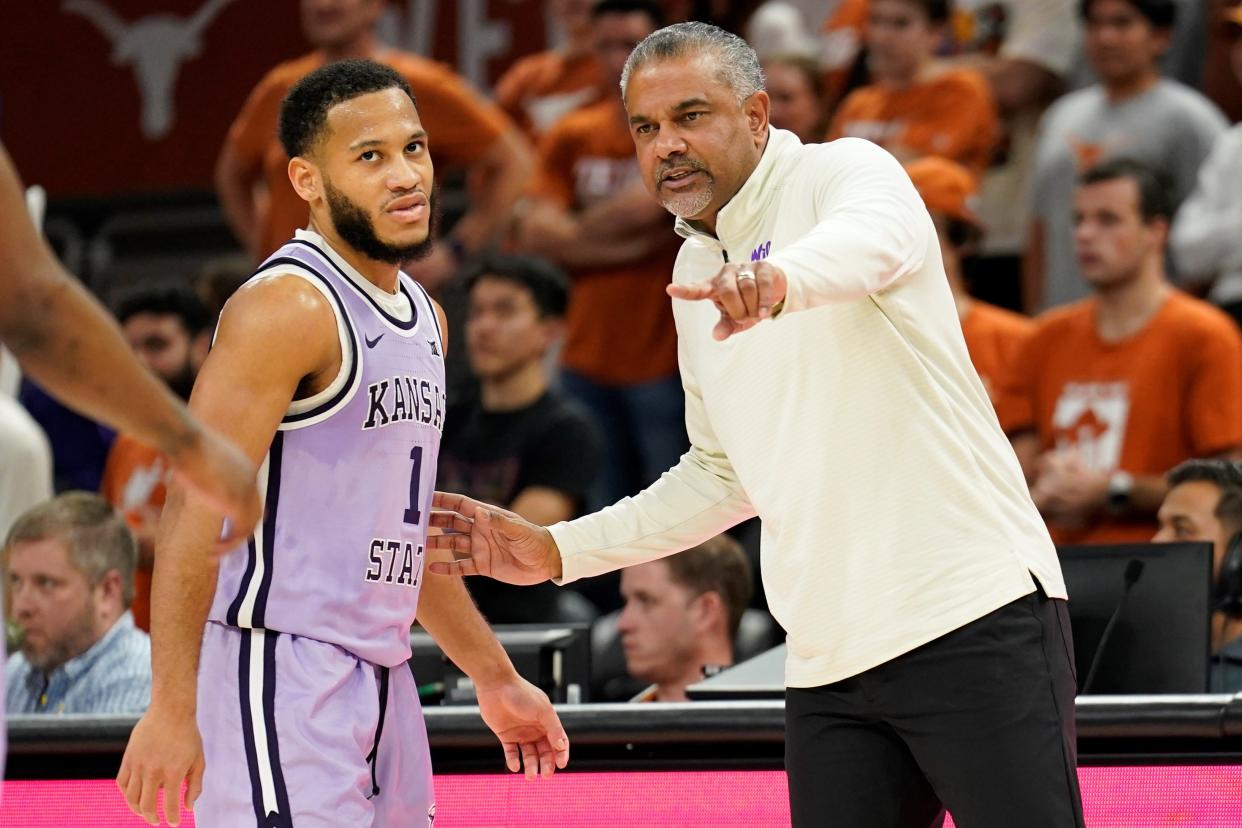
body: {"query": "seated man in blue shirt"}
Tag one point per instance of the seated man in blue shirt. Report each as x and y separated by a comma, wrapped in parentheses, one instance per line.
(70, 569)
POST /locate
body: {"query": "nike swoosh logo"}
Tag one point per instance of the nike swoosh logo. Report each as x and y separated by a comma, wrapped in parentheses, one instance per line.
(371, 343)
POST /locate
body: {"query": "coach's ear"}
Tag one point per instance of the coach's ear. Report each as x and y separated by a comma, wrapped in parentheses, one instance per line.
(304, 176)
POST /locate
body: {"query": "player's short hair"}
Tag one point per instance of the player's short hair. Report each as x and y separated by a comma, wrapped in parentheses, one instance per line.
(717, 565)
(736, 62)
(96, 536)
(163, 299)
(304, 111)
(1162, 14)
(548, 285)
(650, 8)
(1225, 475)
(1154, 199)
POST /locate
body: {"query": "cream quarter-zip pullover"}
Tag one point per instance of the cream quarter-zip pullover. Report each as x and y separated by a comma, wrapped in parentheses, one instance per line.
(894, 510)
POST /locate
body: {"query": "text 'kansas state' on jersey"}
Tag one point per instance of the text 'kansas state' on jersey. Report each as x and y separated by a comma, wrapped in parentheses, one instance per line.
(350, 474)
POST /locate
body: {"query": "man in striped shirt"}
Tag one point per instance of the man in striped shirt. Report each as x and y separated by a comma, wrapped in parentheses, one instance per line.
(70, 567)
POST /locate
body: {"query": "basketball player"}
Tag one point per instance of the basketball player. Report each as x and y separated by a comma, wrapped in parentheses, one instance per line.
(71, 346)
(329, 365)
(829, 391)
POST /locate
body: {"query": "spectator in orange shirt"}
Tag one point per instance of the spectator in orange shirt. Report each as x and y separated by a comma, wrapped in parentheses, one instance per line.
(993, 335)
(170, 331)
(796, 88)
(917, 105)
(1111, 392)
(590, 213)
(466, 132)
(540, 89)
(828, 32)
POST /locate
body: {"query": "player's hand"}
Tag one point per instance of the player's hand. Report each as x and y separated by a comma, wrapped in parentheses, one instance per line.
(745, 295)
(217, 471)
(487, 540)
(164, 751)
(528, 728)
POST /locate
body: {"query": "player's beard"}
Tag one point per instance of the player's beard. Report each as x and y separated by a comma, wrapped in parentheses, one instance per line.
(358, 231)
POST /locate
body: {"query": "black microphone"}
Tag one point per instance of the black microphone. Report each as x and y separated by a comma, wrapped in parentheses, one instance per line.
(1134, 570)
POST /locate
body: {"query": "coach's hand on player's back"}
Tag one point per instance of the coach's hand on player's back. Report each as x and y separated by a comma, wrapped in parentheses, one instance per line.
(745, 294)
(487, 540)
(164, 750)
(218, 472)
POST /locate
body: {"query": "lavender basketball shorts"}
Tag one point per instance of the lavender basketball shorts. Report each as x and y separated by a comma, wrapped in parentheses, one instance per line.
(301, 733)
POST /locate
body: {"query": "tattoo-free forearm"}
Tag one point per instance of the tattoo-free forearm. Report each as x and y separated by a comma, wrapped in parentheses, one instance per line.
(447, 612)
(181, 593)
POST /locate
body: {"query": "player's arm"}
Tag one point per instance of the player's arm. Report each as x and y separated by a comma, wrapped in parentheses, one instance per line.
(274, 336)
(70, 345)
(519, 713)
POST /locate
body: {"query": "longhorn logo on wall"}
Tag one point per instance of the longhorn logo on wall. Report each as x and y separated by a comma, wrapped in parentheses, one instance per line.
(155, 46)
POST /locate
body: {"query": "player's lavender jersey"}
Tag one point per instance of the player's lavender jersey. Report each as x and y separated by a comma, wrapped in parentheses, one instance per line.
(349, 477)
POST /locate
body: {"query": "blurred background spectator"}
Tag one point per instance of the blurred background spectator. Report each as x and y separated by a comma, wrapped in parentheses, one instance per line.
(915, 104)
(468, 131)
(993, 335)
(170, 332)
(1207, 233)
(682, 615)
(1204, 503)
(519, 443)
(1111, 392)
(538, 90)
(796, 87)
(589, 212)
(1130, 112)
(69, 566)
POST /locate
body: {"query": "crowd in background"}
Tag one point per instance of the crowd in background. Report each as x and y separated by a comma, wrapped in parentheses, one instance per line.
(1079, 164)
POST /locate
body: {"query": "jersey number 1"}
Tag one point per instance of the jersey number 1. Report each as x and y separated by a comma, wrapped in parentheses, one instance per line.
(412, 515)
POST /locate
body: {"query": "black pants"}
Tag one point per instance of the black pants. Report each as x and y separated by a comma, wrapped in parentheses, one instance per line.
(980, 721)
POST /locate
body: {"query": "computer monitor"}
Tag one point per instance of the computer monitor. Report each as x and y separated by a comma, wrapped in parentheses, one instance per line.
(1140, 615)
(554, 657)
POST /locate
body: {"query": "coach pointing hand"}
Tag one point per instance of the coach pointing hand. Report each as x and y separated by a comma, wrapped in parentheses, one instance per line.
(745, 294)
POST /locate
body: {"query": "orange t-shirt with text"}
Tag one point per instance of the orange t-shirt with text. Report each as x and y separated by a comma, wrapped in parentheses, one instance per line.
(1169, 393)
(619, 326)
(461, 127)
(135, 480)
(540, 89)
(952, 114)
(993, 337)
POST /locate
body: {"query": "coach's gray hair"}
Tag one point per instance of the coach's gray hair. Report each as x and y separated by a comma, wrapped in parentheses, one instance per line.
(735, 59)
(97, 537)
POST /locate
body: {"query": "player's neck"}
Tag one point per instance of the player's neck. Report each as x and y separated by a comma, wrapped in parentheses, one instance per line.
(1124, 310)
(517, 390)
(381, 274)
